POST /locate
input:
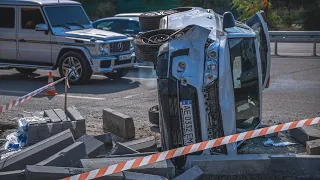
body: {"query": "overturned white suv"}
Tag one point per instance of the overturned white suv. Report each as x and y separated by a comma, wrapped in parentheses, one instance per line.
(42, 34)
(211, 72)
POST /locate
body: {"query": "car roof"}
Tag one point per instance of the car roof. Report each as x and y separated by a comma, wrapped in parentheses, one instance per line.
(120, 18)
(128, 15)
(38, 2)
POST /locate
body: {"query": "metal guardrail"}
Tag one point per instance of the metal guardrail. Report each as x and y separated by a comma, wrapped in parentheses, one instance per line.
(295, 37)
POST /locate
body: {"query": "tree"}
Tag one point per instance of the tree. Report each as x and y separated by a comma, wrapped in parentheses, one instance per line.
(311, 15)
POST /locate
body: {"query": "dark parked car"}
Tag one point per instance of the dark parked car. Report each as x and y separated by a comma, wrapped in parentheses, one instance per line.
(123, 25)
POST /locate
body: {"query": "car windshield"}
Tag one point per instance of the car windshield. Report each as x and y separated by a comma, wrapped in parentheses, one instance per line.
(66, 15)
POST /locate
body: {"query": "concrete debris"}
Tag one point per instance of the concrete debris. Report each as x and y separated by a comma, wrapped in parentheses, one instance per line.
(37, 152)
(54, 173)
(162, 168)
(118, 123)
(192, 174)
(13, 175)
(66, 157)
(304, 134)
(147, 144)
(313, 147)
(119, 149)
(106, 138)
(94, 147)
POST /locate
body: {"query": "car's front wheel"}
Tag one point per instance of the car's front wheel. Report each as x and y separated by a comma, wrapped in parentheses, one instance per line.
(77, 66)
(118, 74)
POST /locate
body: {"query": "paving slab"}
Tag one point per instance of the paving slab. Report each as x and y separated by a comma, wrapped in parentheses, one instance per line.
(43, 130)
(66, 157)
(305, 134)
(147, 144)
(52, 115)
(55, 127)
(118, 123)
(32, 134)
(61, 114)
(37, 152)
(162, 168)
(295, 165)
(54, 173)
(313, 147)
(106, 138)
(74, 114)
(193, 173)
(79, 128)
(13, 175)
(94, 147)
(120, 149)
(230, 165)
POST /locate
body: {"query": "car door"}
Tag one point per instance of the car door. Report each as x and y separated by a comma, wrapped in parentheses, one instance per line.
(34, 47)
(8, 34)
(258, 23)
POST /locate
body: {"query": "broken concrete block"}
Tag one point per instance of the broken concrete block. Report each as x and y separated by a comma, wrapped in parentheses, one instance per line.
(79, 128)
(105, 138)
(13, 175)
(32, 134)
(52, 115)
(147, 144)
(66, 157)
(305, 134)
(37, 152)
(140, 176)
(94, 147)
(54, 173)
(163, 168)
(230, 165)
(120, 149)
(62, 115)
(74, 114)
(193, 173)
(295, 165)
(313, 147)
(118, 123)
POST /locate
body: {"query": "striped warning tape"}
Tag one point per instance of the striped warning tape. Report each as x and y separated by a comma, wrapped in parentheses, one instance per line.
(141, 161)
(20, 100)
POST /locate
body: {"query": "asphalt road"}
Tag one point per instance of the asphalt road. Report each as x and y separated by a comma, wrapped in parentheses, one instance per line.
(294, 93)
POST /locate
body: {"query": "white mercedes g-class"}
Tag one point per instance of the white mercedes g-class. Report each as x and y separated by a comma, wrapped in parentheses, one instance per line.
(57, 34)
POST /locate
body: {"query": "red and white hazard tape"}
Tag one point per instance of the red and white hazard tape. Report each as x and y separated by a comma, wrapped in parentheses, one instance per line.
(141, 161)
(27, 96)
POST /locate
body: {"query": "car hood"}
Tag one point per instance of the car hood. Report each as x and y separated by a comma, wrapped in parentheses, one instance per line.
(91, 33)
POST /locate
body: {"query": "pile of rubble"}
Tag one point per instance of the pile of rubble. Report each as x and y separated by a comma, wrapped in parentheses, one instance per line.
(59, 147)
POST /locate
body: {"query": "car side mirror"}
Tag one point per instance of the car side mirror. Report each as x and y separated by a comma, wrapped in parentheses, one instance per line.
(42, 27)
(228, 20)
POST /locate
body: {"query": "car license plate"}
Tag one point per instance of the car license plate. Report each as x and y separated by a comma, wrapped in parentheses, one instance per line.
(187, 120)
(125, 57)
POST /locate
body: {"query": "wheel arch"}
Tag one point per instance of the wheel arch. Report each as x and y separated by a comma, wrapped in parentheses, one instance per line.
(66, 49)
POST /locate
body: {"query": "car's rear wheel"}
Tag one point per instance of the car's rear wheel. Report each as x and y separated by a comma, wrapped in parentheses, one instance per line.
(147, 45)
(151, 20)
(77, 65)
(118, 74)
(26, 70)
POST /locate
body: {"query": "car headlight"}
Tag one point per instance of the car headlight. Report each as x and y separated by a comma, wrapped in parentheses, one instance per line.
(103, 47)
(211, 64)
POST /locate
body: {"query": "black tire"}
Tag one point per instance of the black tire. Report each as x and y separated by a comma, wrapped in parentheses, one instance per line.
(151, 20)
(86, 71)
(154, 115)
(26, 70)
(148, 50)
(117, 75)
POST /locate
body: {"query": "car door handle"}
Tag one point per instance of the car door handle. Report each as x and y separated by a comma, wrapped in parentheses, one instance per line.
(22, 40)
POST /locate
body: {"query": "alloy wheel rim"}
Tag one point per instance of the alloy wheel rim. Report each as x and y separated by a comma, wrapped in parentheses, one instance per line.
(73, 65)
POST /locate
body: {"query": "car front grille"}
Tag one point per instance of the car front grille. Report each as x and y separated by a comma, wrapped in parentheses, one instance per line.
(105, 64)
(119, 46)
(117, 62)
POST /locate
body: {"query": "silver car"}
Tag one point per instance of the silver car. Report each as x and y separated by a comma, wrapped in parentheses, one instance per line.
(45, 34)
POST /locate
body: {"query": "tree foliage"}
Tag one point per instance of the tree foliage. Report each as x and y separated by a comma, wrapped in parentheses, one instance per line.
(311, 15)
